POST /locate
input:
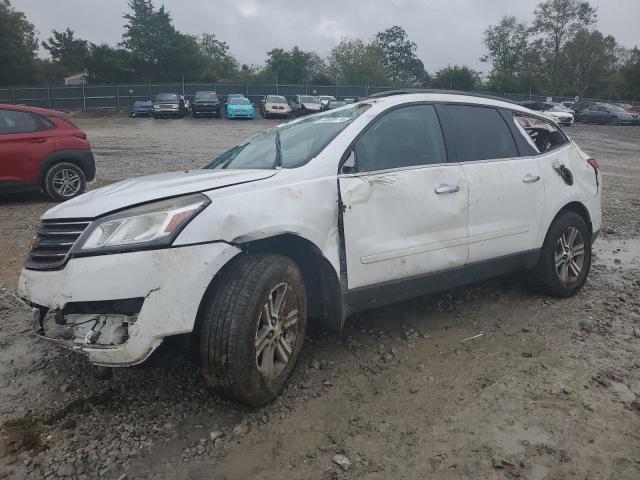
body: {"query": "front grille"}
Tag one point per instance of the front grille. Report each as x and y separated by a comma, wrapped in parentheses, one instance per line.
(52, 243)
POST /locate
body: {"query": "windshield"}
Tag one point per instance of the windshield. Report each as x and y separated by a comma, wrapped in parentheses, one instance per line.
(298, 142)
(558, 108)
(142, 104)
(166, 97)
(276, 99)
(239, 101)
(206, 96)
(337, 103)
(308, 99)
(616, 108)
(327, 97)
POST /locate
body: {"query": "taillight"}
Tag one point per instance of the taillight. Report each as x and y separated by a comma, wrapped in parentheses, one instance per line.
(80, 134)
(594, 163)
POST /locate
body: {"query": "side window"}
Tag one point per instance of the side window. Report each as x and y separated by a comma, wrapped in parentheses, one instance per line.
(481, 132)
(404, 137)
(542, 135)
(12, 121)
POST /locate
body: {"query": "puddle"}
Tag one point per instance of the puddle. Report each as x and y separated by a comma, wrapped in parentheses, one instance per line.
(514, 439)
(623, 254)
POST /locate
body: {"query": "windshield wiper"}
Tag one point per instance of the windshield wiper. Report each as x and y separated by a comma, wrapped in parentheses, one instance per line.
(278, 163)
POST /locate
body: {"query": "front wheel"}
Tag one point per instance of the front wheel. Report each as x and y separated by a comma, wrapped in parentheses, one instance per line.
(64, 181)
(253, 328)
(613, 121)
(565, 258)
(583, 119)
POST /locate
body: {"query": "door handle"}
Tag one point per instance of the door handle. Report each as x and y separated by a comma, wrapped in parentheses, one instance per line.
(445, 188)
(38, 140)
(528, 178)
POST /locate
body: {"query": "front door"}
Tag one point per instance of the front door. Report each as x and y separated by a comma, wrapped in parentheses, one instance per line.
(405, 208)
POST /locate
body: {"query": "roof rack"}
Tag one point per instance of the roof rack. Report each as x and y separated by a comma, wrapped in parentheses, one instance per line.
(408, 91)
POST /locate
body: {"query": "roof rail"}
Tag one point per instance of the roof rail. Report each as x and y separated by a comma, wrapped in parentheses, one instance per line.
(408, 91)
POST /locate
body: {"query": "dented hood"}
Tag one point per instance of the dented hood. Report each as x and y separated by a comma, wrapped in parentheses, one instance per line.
(153, 187)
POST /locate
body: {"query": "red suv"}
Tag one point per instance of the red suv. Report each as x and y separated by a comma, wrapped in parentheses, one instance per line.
(41, 149)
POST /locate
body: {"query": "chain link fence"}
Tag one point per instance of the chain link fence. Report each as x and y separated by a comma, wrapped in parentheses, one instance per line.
(83, 97)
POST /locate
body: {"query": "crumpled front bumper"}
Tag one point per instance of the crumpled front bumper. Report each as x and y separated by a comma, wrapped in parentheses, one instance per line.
(167, 284)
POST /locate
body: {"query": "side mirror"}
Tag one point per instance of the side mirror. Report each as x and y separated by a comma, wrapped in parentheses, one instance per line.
(349, 165)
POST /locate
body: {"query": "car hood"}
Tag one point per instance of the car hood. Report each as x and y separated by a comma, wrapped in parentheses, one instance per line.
(239, 107)
(139, 190)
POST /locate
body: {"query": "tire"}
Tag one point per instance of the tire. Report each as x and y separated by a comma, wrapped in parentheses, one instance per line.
(584, 119)
(555, 259)
(64, 181)
(233, 320)
(194, 114)
(613, 121)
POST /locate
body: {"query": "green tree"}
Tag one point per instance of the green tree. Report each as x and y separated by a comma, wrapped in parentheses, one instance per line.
(219, 62)
(294, 66)
(557, 22)
(109, 65)
(69, 52)
(401, 62)
(507, 44)
(354, 62)
(18, 45)
(590, 57)
(158, 51)
(456, 77)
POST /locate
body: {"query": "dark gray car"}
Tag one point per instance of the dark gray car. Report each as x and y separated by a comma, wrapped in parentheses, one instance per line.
(606, 113)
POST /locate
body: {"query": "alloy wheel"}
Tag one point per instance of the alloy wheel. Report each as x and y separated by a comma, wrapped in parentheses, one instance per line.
(66, 182)
(570, 256)
(276, 331)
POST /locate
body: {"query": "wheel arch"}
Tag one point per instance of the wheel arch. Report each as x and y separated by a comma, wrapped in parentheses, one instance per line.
(83, 159)
(576, 207)
(320, 278)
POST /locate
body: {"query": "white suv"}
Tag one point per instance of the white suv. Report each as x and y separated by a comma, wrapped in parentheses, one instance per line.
(390, 198)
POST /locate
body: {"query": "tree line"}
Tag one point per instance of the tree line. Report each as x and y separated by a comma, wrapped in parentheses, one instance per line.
(561, 53)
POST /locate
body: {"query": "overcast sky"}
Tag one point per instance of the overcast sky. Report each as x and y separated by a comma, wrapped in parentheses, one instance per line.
(446, 31)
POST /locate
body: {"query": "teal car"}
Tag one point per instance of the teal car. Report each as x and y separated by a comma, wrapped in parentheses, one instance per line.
(240, 108)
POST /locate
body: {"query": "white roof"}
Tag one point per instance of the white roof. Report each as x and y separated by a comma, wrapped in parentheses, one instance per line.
(446, 97)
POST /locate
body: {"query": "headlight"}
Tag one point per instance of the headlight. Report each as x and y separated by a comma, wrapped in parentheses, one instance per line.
(148, 226)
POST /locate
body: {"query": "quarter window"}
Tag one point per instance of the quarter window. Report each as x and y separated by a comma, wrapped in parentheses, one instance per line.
(481, 133)
(542, 135)
(12, 121)
(404, 137)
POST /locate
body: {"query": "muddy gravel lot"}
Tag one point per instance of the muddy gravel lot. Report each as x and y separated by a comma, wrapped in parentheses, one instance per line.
(550, 390)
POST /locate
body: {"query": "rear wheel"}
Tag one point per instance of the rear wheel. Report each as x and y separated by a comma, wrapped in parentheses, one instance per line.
(565, 258)
(253, 328)
(64, 181)
(583, 118)
(613, 120)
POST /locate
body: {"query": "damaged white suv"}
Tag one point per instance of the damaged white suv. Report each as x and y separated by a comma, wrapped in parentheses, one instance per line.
(390, 198)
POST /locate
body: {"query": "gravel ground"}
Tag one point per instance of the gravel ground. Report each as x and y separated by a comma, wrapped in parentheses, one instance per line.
(551, 390)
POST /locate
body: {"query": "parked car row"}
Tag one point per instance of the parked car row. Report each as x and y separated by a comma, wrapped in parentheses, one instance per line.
(587, 112)
(236, 105)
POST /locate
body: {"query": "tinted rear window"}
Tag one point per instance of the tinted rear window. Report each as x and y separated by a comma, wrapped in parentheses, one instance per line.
(12, 121)
(480, 133)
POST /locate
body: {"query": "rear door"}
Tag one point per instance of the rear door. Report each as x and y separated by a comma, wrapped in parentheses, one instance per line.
(25, 139)
(405, 208)
(506, 191)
